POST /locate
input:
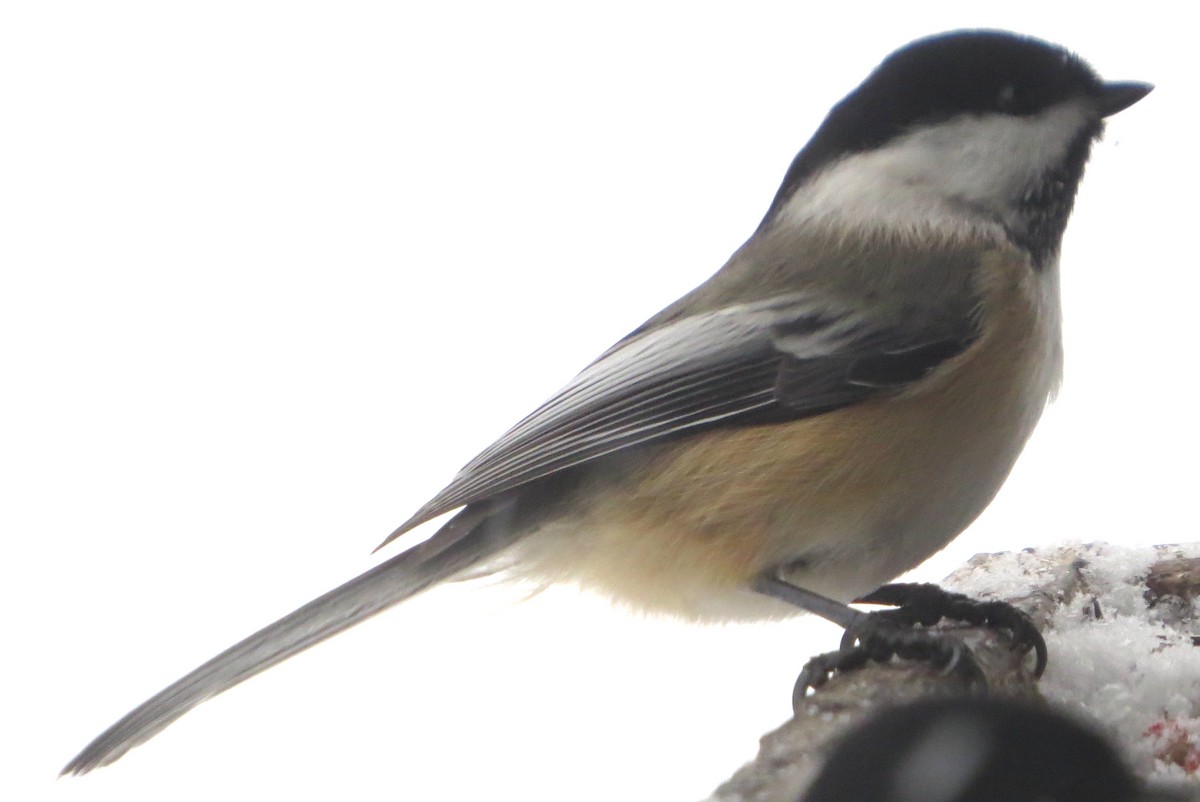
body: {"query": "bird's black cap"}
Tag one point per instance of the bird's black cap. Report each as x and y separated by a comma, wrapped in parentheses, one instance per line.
(950, 74)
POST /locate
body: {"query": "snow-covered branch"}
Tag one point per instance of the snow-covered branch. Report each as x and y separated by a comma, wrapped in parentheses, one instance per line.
(1121, 629)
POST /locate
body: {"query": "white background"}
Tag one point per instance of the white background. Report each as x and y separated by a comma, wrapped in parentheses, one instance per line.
(273, 271)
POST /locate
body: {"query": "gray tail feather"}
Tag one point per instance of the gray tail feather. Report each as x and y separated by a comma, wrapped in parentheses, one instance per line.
(462, 542)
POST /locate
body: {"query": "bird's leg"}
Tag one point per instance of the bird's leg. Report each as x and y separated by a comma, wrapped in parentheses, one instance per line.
(835, 612)
(883, 634)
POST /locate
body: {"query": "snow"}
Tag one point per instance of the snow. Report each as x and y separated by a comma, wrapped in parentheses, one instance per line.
(1129, 665)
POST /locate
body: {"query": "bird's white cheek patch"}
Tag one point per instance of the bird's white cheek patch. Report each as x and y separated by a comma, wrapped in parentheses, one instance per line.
(956, 177)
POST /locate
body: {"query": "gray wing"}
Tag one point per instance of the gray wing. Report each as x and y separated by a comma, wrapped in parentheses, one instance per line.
(776, 360)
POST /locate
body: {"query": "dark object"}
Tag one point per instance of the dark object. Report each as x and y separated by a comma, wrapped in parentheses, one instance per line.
(976, 750)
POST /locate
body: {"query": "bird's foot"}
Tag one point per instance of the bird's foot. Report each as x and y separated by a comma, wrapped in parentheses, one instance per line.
(884, 634)
(882, 642)
(927, 604)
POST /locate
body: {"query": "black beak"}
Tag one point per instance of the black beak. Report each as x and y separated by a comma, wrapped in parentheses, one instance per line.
(1117, 96)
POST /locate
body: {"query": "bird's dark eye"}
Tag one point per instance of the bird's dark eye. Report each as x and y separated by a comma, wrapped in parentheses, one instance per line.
(1007, 99)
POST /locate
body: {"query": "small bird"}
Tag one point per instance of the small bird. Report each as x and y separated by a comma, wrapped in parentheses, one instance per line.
(978, 750)
(834, 405)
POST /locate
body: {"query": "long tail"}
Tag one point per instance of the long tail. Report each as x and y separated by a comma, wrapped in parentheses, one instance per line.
(462, 542)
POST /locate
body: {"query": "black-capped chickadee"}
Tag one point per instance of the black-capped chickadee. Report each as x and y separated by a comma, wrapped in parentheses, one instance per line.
(833, 406)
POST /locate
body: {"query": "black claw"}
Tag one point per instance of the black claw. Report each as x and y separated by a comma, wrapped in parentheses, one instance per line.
(927, 604)
(880, 644)
(818, 670)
